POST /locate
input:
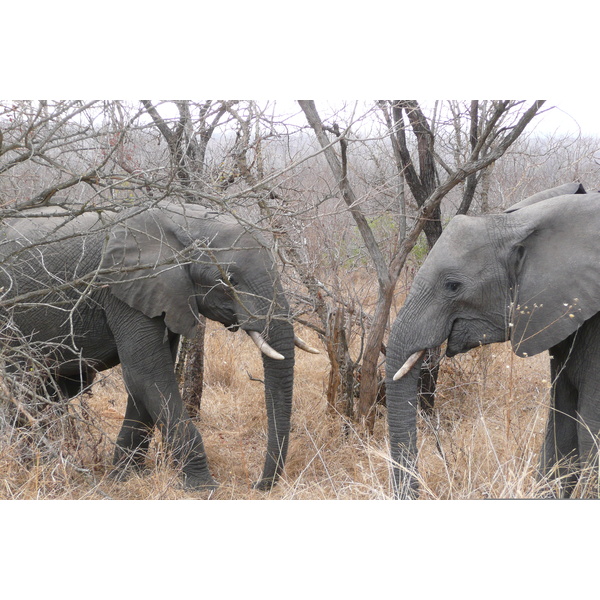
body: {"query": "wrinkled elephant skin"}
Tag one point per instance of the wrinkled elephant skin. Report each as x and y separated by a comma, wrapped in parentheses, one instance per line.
(530, 275)
(107, 287)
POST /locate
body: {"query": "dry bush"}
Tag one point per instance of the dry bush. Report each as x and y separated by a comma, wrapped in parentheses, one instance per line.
(482, 441)
(484, 437)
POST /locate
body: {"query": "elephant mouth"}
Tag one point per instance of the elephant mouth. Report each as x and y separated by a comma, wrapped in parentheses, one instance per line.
(466, 334)
(452, 349)
(461, 338)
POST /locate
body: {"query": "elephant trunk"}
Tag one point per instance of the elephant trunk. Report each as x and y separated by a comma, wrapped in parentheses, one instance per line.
(279, 383)
(401, 398)
(403, 366)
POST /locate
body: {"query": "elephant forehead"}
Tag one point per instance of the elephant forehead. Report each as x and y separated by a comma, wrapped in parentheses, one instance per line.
(463, 238)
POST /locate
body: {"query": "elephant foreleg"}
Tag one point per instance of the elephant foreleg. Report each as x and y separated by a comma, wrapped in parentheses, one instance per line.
(133, 439)
(148, 370)
(163, 404)
(588, 431)
(560, 452)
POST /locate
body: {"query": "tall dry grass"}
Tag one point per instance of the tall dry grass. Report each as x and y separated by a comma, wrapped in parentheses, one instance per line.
(482, 441)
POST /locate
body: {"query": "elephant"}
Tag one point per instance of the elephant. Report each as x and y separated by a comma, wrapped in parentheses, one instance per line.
(530, 275)
(93, 289)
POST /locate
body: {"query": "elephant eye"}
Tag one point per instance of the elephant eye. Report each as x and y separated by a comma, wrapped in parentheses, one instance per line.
(453, 286)
(232, 280)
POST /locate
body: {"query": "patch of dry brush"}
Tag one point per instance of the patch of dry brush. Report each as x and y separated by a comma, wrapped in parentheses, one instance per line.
(482, 441)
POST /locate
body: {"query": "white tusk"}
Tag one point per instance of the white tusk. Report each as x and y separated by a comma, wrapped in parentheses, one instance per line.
(264, 347)
(304, 346)
(408, 365)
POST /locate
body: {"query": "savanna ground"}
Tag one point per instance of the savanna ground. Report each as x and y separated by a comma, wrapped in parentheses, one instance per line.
(482, 441)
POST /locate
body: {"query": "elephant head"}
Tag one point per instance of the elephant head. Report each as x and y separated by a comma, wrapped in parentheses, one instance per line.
(179, 261)
(529, 275)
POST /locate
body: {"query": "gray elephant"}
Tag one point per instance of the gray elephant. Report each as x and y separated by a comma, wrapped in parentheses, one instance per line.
(103, 288)
(530, 275)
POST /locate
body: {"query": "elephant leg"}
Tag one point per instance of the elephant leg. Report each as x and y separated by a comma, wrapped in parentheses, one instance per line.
(560, 452)
(588, 430)
(162, 402)
(149, 374)
(133, 439)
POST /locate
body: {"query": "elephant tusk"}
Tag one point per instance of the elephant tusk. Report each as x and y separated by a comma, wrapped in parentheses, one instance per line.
(304, 346)
(264, 347)
(408, 365)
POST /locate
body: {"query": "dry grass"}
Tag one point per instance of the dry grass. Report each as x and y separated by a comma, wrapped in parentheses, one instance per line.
(482, 441)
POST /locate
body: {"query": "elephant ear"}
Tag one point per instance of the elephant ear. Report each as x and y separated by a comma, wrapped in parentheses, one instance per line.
(556, 270)
(561, 190)
(145, 268)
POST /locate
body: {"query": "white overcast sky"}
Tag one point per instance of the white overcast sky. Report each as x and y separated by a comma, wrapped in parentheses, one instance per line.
(331, 49)
(572, 115)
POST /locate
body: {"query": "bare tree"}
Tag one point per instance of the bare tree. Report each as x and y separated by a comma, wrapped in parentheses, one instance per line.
(429, 194)
(49, 147)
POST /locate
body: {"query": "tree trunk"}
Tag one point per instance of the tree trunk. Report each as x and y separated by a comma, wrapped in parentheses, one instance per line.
(334, 332)
(369, 374)
(428, 380)
(342, 380)
(369, 383)
(192, 363)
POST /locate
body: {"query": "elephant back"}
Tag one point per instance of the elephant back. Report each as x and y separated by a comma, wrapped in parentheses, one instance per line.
(48, 267)
(48, 251)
